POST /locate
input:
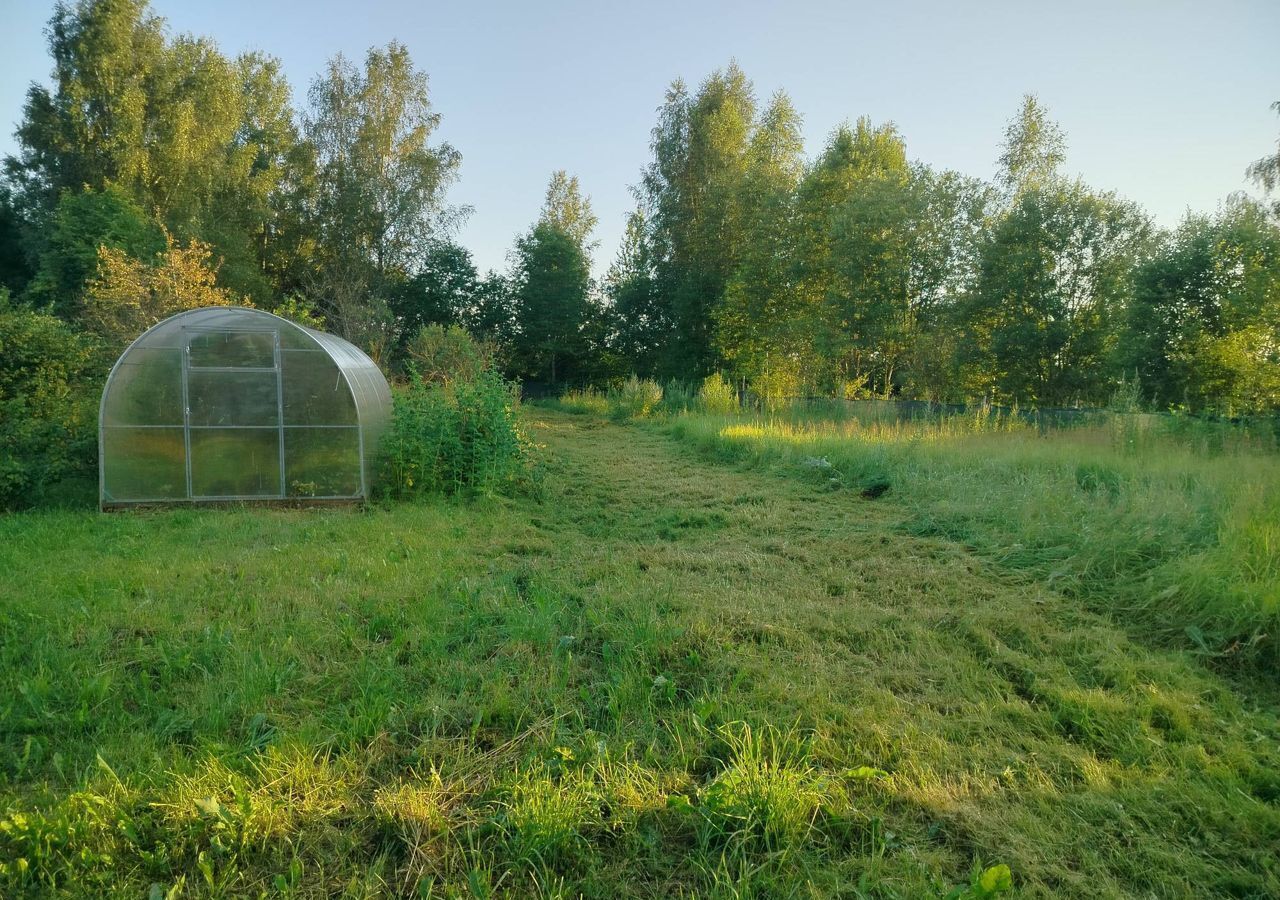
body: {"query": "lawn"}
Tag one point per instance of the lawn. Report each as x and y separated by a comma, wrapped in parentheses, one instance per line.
(670, 668)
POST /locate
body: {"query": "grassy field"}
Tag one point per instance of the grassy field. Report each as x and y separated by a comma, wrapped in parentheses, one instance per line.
(1175, 531)
(657, 675)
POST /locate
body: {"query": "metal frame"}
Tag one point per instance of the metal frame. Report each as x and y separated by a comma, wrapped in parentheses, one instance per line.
(277, 369)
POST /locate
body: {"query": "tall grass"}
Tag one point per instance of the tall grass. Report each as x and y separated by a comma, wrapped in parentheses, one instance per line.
(1174, 534)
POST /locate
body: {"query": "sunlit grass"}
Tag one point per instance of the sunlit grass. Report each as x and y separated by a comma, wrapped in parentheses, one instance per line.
(1181, 540)
(657, 677)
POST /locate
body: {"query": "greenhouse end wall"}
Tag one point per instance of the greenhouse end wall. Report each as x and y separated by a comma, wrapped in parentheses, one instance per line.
(234, 404)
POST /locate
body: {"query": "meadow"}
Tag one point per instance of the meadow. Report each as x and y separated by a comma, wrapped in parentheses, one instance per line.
(728, 655)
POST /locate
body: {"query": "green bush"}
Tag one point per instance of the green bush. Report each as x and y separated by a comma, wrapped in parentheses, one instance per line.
(717, 396)
(49, 390)
(440, 355)
(635, 398)
(456, 436)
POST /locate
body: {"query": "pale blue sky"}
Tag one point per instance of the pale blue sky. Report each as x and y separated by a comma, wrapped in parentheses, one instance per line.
(1165, 102)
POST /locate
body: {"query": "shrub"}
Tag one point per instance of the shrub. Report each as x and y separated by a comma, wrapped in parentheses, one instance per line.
(127, 295)
(635, 398)
(460, 435)
(440, 355)
(48, 406)
(717, 396)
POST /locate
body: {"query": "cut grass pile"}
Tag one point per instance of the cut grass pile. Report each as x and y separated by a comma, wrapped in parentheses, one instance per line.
(659, 677)
(1179, 539)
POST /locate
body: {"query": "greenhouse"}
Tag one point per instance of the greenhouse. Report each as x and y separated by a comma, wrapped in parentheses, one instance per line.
(229, 403)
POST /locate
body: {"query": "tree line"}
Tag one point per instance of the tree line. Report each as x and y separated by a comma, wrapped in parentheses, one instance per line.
(155, 173)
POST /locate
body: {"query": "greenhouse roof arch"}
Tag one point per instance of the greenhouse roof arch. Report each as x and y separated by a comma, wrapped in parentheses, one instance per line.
(229, 403)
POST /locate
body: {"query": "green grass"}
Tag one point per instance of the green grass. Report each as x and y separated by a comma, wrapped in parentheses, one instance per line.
(660, 676)
(1172, 535)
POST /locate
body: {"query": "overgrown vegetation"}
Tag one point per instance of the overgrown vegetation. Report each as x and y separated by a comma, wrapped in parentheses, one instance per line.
(714, 682)
(48, 422)
(454, 425)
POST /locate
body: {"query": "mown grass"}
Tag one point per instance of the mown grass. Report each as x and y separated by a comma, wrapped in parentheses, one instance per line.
(658, 677)
(1176, 534)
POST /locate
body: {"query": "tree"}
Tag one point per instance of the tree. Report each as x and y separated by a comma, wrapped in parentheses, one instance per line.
(15, 268)
(438, 293)
(491, 314)
(691, 193)
(552, 291)
(1034, 148)
(1053, 278)
(1266, 171)
(641, 320)
(568, 210)
(853, 158)
(83, 223)
(191, 137)
(1203, 329)
(379, 187)
(760, 332)
(127, 296)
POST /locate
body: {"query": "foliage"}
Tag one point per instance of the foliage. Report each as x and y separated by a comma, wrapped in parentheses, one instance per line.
(717, 396)
(440, 292)
(48, 405)
(1266, 171)
(82, 224)
(128, 296)
(635, 398)
(440, 355)
(1202, 328)
(379, 186)
(552, 284)
(1052, 278)
(169, 124)
(451, 436)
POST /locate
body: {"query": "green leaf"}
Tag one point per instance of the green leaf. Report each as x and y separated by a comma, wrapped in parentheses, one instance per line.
(995, 880)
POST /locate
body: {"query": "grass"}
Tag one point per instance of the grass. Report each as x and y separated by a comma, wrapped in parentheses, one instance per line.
(661, 676)
(1178, 537)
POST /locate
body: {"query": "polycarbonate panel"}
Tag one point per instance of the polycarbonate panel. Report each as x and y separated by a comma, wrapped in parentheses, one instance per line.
(322, 462)
(233, 398)
(235, 462)
(144, 464)
(146, 389)
(237, 349)
(315, 391)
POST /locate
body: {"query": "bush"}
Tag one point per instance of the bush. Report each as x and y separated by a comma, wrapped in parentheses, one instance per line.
(49, 389)
(636, 398)
(440, 355)
(717, 396)
(459, 435)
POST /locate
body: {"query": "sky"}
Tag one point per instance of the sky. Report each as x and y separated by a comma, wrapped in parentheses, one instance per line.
(1165, 102)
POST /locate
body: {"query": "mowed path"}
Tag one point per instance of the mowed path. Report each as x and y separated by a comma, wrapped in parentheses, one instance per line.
(1019, 727)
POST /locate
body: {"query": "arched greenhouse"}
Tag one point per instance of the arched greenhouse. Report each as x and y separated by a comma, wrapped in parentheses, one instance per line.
(228, 403)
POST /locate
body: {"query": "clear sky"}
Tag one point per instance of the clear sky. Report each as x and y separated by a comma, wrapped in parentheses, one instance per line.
(1164, 101)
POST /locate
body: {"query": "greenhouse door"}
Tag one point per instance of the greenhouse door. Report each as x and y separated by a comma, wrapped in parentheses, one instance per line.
(231, 390)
